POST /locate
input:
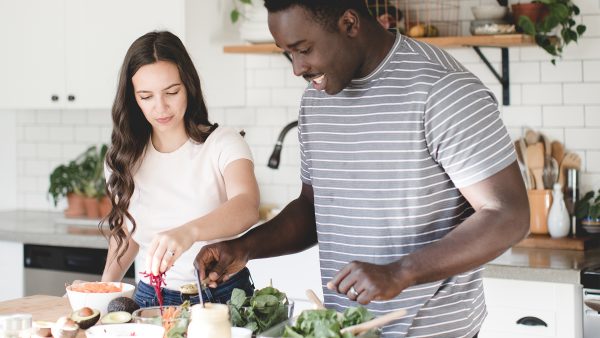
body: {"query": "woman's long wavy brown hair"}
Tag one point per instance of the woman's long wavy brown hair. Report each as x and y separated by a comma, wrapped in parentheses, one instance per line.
(131, 131)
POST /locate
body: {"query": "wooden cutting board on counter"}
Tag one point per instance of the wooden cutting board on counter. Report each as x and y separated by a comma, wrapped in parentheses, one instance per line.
(48, 308)
(565, 243)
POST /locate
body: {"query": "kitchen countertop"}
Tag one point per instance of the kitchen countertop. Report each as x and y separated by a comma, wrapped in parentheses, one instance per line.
(47, 228)
(51, 228)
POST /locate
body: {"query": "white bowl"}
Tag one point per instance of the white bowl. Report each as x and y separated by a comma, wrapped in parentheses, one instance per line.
(125, 331)
(489, 12)
(97, 301)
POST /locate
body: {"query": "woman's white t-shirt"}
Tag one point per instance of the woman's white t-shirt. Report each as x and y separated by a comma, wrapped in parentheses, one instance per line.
(174, 188)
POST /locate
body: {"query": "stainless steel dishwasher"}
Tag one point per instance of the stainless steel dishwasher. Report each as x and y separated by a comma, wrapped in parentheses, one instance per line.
(49, 268)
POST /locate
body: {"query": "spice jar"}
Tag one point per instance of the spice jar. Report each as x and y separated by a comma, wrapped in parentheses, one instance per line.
(209, 321)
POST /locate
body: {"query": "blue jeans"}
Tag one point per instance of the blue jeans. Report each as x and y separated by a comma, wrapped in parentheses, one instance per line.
(145, 296)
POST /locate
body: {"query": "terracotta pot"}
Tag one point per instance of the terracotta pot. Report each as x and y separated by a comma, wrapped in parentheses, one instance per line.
(75, 206)
(105, 206)
(539, 205)
(92, 207)
(534, 10)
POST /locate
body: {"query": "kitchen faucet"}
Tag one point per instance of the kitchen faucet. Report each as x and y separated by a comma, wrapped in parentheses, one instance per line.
(275, 156)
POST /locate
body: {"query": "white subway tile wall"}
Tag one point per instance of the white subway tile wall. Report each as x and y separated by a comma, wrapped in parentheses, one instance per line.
(563, 101)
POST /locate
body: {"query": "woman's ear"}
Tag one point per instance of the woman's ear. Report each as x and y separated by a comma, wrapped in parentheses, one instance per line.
(349, 23)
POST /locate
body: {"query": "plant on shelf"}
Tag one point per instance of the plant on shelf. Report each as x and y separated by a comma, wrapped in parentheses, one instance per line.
(556, 27)
(588, 208)
(235, 12)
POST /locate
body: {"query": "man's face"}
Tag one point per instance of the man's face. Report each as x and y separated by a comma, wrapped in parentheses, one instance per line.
(320, 55)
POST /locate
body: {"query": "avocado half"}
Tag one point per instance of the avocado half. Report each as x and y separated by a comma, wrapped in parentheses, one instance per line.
(85, 317)
(118, 317)
(122, 304)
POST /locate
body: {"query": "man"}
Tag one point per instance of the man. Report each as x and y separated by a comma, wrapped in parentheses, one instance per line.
(409, 179)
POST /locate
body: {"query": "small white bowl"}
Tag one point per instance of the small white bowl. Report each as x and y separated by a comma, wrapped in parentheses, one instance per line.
(97, 300)
(489, 12)
(125, 331)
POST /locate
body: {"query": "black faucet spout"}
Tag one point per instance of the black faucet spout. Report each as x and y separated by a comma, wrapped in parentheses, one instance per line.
(276, 155)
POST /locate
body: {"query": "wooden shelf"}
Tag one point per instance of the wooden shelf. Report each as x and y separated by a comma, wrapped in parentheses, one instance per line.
(502, 41)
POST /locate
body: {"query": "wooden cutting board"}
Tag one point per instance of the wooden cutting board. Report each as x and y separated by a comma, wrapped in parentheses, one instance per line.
(565, 243)
(48, 308)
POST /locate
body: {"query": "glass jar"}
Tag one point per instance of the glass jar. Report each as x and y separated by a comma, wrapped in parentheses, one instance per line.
(209, 321)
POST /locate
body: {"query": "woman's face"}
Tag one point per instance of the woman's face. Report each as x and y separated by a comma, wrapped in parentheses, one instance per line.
(161, 96)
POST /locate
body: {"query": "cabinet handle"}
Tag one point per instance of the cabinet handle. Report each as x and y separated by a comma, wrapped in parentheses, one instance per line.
(54, 98)
(531, 321)
(71, 98)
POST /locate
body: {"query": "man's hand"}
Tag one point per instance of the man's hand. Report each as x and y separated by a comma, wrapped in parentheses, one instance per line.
(220, 260)
(363, 282)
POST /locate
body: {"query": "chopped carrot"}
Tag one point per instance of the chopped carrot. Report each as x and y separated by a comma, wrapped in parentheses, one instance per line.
(98, 287)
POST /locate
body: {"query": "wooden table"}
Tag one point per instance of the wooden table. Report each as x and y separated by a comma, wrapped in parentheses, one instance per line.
(48, 308)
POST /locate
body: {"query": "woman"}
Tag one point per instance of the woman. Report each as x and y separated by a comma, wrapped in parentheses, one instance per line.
(176, 181)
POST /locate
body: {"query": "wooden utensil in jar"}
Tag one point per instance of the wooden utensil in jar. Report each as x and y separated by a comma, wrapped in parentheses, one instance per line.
(535, 161)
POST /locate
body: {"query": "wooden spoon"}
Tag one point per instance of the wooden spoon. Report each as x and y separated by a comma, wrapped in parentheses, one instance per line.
(312, 296)
(558, 151)
(531, 137)
(535, 161)
(528, 179)
(374, 323)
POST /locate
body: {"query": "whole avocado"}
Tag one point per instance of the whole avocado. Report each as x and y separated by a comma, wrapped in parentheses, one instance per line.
(122, 304)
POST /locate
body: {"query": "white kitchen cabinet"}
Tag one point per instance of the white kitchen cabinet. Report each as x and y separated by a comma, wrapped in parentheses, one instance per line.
(511, 304)
(11, 261)
(67, 53)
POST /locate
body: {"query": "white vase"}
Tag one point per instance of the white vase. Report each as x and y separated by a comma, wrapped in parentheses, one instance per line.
(558, 217)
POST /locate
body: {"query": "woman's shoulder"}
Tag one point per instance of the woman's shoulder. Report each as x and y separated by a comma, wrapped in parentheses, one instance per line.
(225, 133)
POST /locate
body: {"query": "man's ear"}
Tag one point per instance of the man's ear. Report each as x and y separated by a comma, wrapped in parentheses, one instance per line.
(349, 23)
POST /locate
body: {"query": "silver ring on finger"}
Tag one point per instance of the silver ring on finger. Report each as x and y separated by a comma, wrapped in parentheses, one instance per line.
(353, 291)
(171, 252)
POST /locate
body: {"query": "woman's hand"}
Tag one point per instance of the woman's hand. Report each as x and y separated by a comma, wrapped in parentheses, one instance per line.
(363, 282)
(166, 248)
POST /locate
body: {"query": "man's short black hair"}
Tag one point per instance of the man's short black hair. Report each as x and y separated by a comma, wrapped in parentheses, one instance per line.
(326, 12)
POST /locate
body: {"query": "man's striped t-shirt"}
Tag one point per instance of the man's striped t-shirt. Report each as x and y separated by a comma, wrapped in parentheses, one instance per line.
(386, 157)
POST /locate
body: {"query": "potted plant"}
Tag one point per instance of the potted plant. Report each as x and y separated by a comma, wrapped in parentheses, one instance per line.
(65, 181)
(551, 24)
(92, 181)
(588, 209)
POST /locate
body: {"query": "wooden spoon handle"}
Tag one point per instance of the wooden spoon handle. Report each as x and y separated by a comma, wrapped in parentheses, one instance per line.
(374, 323)
(312, 296)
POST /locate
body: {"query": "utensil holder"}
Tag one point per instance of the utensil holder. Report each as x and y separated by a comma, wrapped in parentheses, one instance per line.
(539, 205)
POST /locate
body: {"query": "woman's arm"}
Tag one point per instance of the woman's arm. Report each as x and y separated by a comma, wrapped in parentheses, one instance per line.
(114, 270)
(236, 215)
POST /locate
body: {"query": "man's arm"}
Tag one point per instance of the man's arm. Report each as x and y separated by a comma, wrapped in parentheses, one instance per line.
(500, 220)
(291, 231)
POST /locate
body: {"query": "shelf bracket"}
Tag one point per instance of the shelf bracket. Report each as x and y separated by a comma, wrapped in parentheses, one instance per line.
(504, 79)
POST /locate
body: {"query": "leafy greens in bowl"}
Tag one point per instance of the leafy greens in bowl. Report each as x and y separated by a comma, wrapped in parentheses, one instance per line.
(264, 309)
(325, 324)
